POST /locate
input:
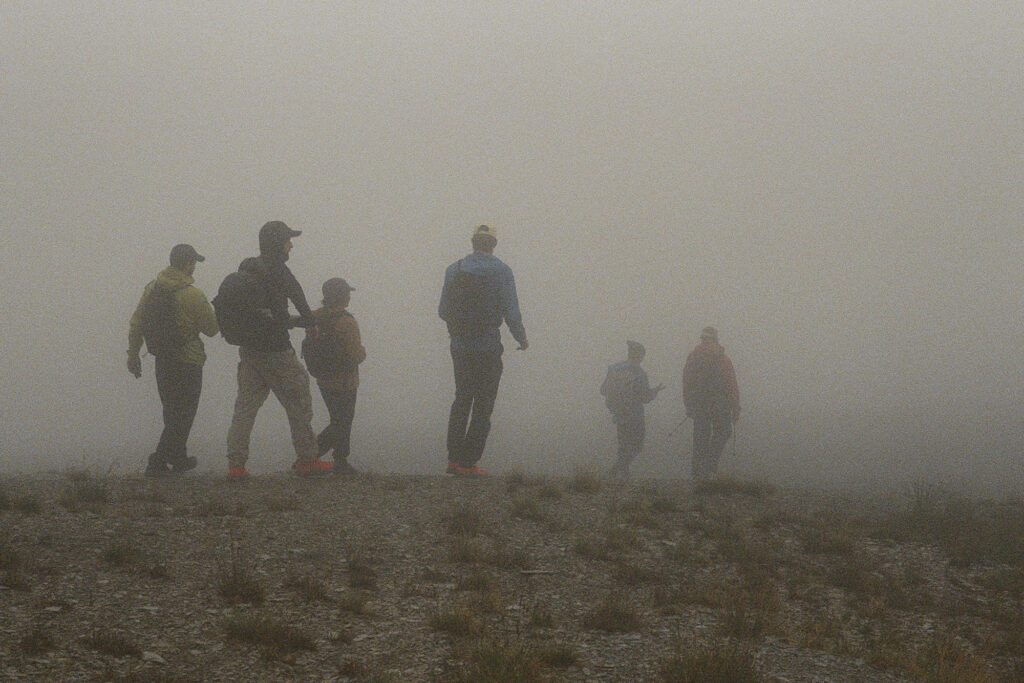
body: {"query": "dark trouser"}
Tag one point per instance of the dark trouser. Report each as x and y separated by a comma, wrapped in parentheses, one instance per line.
(631, 442)
(179, 385)
(710, 434)
(341, 405)
(477, 375)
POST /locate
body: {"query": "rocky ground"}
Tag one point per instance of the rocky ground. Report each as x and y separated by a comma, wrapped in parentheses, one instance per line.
(510, 578)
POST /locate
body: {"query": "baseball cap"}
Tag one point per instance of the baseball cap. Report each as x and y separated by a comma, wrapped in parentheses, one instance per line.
(336, 287)
(183, 254)
(485, 230)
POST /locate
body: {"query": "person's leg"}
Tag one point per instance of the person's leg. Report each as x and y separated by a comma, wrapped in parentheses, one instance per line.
(252, 392)
(722, 430)
(190, 387)
(459, 415)
(346, 415)
(631, 440)
(487, 377)
(327, 439)
(290, 383)
(701, 439)
(166, 387)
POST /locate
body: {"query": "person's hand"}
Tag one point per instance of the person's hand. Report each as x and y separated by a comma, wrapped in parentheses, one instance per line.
(659, 388)
(135, 365)
(523, 346)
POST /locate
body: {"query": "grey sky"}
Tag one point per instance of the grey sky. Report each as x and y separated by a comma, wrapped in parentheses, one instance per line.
(838, 186)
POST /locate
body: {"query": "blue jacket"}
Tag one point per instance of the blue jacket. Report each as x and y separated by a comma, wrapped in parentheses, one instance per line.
(501, 294)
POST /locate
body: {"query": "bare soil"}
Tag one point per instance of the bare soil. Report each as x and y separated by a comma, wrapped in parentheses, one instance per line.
(516, 577)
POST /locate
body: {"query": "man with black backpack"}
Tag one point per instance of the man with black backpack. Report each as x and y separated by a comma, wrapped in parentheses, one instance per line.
(712, 398)
(252, 309)
(479, 292)
(626, 389)
(169, 317)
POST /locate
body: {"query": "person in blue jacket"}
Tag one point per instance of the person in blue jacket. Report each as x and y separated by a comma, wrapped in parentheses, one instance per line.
(479, 293)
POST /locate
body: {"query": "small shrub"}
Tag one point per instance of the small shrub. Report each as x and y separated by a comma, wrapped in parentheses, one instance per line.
(84, 494)
(361, 574)
(540, 617)
(527, 508)
(586, 483)
(36, 641)
(476, 580)
(500, 662)
(157, 570)
(356, 602)
(464, 521)
(120, 553)
(311, 588)
(558, 656)
(113, 643)
(613, 615)
(455, 620)
(730, 664)
(237, 582)
(549, 491)
(28, 505)
(275, 637)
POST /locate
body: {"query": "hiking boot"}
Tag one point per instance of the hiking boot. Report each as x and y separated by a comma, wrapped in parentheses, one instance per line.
(156, 466)
(184, 465)
(306, 468)
(471, 471)
(343, 469)
(238, 473)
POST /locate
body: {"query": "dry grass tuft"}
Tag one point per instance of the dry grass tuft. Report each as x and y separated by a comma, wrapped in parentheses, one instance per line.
(586, 483)
(276, 638)
(85, 494)
(729, 486)
(36, 641)
(455, 620)
(309, 587)
(120, 553)
(713, 664)
(614, 615)
(237, 581)
(464, 520)
(500, 662)
(113, 642)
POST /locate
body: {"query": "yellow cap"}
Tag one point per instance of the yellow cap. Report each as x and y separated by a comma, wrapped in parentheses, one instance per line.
(485, 230)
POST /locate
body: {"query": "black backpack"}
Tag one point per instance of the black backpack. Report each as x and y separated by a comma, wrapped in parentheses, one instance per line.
(619, 389)
(159, 328)
(469, 313)
(322, 352)
(237, 307)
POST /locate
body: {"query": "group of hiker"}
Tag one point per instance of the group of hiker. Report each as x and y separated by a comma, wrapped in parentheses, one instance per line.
(251, 311)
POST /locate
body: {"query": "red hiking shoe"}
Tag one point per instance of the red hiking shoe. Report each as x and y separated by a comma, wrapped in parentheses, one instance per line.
(312, 467)
(460, 471)
(238, 473)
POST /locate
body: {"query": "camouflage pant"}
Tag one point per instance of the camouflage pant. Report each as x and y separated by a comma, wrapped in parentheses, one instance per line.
(262, 372)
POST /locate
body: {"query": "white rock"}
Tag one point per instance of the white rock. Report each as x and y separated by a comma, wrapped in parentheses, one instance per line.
(153, 658)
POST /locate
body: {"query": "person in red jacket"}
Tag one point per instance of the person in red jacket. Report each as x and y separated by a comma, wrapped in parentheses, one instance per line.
(712, 398)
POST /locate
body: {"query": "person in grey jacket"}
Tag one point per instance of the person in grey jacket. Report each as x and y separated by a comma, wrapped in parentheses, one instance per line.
(626, 389)
(479, 292)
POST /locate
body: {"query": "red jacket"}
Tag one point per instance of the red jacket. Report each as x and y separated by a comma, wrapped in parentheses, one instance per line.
(724, 398)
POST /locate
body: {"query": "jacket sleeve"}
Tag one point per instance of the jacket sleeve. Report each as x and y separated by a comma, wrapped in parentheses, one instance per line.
(509, 304)
(352, 349)
(442, 306)
(293, 290)
(200, 312)
(135, 324)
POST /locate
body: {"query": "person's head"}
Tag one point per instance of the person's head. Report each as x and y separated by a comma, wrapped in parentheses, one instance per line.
(276, 240)
(184, 257)
(337, 293)
(484, 239)
(709, 334)
(635, 351)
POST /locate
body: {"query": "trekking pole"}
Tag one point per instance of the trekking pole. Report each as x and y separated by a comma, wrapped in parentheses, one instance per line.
(678, 426)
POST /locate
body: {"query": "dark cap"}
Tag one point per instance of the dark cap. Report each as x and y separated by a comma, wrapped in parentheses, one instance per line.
(184, 254)
(634, 348)
(335, 288)
(274, 234)
(709, 333)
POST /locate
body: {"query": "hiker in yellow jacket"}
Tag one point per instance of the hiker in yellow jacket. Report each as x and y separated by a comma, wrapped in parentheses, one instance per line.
(171, 314)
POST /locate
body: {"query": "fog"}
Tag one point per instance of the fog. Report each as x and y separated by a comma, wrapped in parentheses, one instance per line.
(838, 187)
